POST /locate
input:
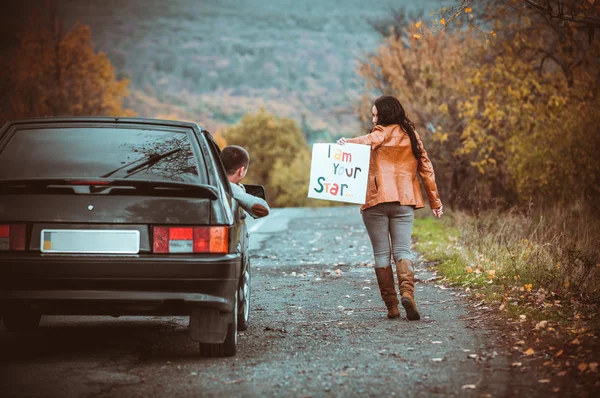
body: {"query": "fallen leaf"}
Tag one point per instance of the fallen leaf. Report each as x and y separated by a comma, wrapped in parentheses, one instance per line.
(469, 387)
(547, 363)
(529, 351)
(236, 381)
(575, 342)
(516, 365)
(582, 367)
(562, 373)
(541, 325)
(559, 353)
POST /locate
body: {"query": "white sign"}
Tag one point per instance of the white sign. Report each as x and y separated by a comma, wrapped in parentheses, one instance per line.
(339, 172)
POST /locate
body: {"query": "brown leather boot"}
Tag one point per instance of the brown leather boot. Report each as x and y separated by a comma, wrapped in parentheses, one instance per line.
(385, 280)
(406, 283)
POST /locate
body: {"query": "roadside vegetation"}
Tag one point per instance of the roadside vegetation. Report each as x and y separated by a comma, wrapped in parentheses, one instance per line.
(536, 277)
(507, 102)
(279, 157)
(541, 267)
(54, 71)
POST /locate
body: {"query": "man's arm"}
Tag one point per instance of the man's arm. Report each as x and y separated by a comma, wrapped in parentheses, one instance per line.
(255, 206)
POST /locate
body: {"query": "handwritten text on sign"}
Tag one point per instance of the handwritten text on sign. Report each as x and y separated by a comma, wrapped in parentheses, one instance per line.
(339, 172)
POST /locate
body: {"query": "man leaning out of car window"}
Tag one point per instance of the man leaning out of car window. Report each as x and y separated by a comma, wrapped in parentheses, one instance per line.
(236, 161)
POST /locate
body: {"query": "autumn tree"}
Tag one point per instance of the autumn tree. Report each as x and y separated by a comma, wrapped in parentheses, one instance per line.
(279, 156)
(426, 72)
(583, 15)
(512, 111)
(56, 73)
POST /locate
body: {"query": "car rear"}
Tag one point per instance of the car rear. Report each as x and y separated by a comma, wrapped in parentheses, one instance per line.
(93, 221)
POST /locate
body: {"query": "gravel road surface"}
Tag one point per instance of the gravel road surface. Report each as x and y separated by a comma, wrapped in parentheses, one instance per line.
(318, 328)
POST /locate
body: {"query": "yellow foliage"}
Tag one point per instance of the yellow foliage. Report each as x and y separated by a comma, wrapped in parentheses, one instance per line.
(515, 117)
(220, 140)
(56, 74)
(279, 156)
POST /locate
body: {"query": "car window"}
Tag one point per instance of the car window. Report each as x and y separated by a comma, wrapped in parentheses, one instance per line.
(95, 151)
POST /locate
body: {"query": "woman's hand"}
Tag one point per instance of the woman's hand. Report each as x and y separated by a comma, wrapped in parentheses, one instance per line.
(438, 212)
(342, 141)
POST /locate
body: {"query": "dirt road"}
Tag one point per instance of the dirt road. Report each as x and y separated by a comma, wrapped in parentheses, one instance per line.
(318, 328)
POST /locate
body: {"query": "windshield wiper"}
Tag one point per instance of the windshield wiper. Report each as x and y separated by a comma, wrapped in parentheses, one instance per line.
(150, 161)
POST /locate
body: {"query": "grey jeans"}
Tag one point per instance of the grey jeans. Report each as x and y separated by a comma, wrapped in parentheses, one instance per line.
(389, 222)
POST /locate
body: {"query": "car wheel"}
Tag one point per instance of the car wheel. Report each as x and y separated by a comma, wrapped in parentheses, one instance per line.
(22, 321)
(244, 298)
(229, 347)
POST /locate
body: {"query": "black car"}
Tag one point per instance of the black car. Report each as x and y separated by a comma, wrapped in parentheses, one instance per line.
(121, 216)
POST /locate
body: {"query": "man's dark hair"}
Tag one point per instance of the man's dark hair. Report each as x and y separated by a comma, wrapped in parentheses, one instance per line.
(234, 157)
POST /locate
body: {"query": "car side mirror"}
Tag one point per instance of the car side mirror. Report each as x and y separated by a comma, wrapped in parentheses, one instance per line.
(256, 190)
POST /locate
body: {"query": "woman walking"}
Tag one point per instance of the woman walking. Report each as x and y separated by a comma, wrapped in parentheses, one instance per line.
(393, 193)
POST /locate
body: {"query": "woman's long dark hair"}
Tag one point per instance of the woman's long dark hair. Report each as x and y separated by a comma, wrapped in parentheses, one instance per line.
(390, 111)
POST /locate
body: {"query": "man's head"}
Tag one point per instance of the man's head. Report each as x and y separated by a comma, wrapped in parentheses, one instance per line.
(236, 160)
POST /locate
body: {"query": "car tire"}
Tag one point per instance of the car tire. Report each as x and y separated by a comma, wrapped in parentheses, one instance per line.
(244, 300)
(22, 321)
(229, 347)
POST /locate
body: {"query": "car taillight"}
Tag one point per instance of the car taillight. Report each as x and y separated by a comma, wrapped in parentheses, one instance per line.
(12, 237)
(191, 240)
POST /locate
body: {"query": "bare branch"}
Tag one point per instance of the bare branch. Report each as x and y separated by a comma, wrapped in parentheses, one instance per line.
(588, 21)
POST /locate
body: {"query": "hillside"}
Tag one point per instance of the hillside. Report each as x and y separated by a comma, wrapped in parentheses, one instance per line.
(215, 61)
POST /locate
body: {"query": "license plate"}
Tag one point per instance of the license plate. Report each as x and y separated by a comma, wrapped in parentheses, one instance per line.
(90, 241)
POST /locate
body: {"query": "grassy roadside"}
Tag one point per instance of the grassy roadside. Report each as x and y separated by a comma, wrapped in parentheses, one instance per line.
(519, 266)
(540, 277)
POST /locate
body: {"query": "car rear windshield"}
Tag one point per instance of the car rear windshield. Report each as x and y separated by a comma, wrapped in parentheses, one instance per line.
(91, 152)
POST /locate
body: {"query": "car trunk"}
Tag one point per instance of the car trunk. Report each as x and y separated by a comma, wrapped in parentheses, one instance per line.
(104, 212)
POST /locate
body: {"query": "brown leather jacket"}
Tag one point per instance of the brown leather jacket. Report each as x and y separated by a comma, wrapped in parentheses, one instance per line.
(393, 169)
